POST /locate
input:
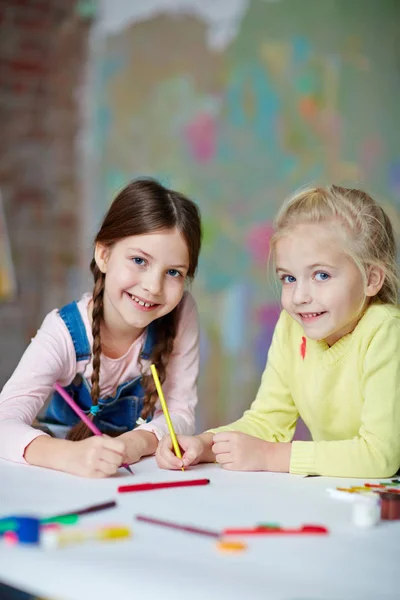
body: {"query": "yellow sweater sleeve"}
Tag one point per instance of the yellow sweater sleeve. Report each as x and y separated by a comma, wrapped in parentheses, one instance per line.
(273, 415)
(375, 452)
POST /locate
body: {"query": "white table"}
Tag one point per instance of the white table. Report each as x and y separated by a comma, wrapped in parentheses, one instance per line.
(158, 563)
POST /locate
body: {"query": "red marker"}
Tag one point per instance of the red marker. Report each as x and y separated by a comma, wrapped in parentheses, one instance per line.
(375, 485)
(379, 487)
(146, 487)
(305, 530)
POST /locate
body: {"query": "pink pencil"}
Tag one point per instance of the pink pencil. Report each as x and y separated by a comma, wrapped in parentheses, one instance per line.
(82, 415)
(179, 526)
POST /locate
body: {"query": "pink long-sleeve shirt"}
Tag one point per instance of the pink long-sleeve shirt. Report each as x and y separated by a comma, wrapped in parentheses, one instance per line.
(50, 357)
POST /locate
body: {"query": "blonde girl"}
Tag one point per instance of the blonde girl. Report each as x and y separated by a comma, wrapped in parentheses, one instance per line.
(335, 355)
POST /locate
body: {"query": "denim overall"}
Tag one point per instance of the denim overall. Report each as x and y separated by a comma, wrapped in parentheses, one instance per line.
(116, 414)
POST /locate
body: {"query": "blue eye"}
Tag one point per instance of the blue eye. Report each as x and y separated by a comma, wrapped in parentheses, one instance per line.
(173, 273)
(288, 279)
(322, 276)
(139, 261)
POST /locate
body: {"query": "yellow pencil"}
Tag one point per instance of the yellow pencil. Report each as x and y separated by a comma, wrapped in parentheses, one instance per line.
(166, 412)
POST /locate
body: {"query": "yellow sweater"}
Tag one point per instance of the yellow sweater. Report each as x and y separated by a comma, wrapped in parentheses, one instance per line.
(348, 395)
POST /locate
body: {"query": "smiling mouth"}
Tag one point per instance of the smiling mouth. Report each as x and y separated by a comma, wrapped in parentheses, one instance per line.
(313, 315)
(142, 302)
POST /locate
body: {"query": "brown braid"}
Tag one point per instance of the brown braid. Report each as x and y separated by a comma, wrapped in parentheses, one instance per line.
(81, 431)
(166, 328)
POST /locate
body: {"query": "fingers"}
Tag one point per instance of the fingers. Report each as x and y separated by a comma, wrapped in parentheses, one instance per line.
(113, 444)
(223, 459)
(107, 468)
(101, 473)
(221, 447)
(98, 468)
(224, 436)
(111, 457)
(189, 457)
(237, 451)
(168, 460)
(165, 456)
(104, 456)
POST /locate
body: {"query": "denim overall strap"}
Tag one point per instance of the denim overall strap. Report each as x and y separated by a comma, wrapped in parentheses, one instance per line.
(117, 413)
(73, 320)
(149, 341)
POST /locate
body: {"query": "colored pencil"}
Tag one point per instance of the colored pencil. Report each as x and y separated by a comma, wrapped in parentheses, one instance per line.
(85, 511)
(166, 413)
(82, 415)
(70, 519)
(383, 486)
(146, 487)
(178, 526)
(305, 530)
(375, 485)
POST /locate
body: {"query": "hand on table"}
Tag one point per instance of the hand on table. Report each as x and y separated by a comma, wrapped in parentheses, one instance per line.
(238, 451)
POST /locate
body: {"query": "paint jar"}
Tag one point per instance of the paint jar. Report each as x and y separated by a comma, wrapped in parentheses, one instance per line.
(367, 511)
(390, 507)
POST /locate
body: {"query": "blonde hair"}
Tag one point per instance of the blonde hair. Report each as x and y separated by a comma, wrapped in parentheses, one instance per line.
(369, 238)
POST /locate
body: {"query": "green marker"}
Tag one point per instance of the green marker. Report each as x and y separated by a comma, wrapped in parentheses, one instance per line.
(61, 519)
(389, 483)
(268, 526)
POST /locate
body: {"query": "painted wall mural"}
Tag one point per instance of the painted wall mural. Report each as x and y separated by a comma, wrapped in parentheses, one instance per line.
(237, 104)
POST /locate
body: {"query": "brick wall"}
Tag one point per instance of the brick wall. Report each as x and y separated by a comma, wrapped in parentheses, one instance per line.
(43, 49)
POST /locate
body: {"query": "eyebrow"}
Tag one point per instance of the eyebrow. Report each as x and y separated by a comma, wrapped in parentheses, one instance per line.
(310, 267)
(152, 258)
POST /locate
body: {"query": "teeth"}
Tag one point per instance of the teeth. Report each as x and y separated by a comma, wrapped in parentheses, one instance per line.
(311, 314)
(145, 304)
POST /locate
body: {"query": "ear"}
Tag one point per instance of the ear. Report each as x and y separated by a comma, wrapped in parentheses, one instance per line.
(101, 256)
(376, 279)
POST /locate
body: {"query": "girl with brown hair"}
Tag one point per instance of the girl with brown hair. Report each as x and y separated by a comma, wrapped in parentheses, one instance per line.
(100, 348)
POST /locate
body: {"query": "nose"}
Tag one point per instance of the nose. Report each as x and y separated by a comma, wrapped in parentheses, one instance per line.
(301, 293)
(152, 282)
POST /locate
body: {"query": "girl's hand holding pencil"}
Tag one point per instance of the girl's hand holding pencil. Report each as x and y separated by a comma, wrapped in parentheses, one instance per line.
(195, 449)
(100, 456)
(96, 457)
